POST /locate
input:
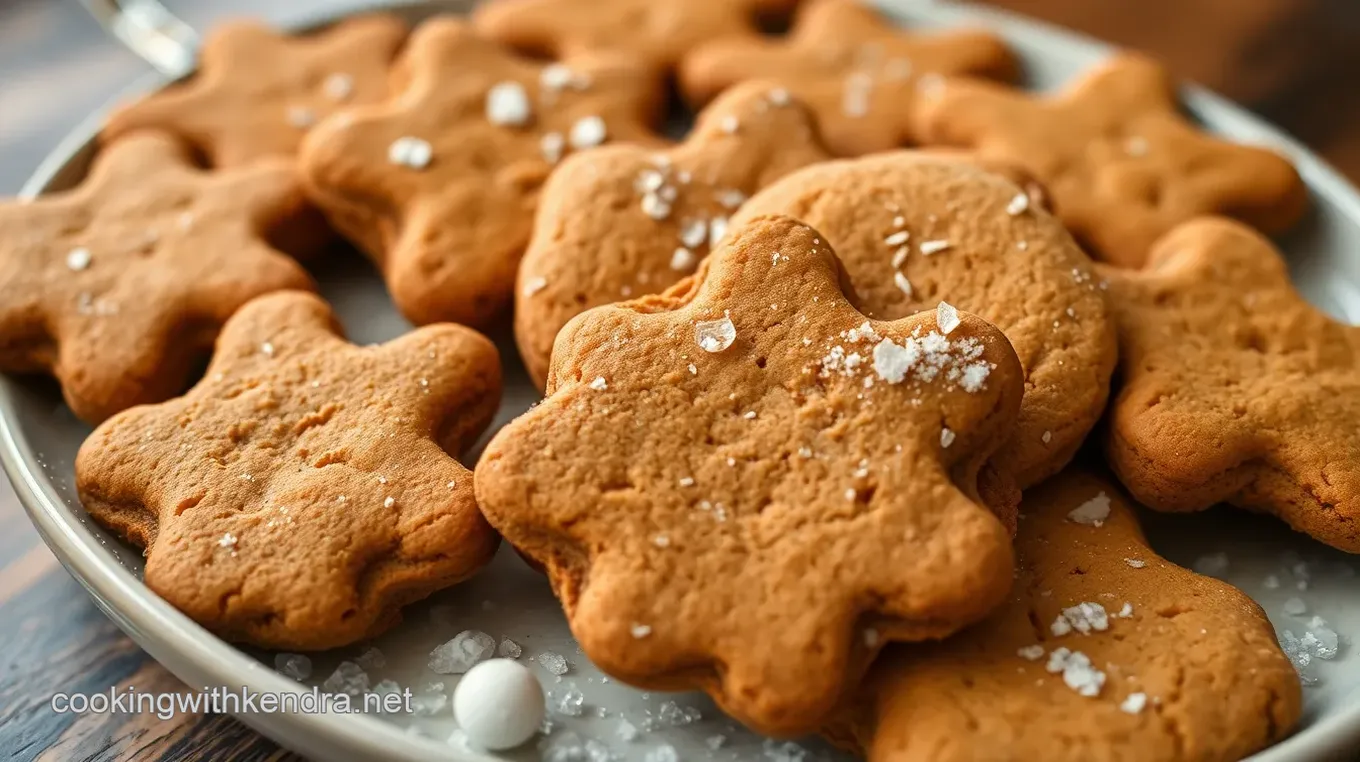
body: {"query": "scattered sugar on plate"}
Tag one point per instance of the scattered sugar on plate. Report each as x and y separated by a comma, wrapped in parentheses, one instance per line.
(1211, 565)
(555, 663)
(466, 650)
(572, 703)
(348, 678)
(296, 666)
(1295, 607)
(509, 649)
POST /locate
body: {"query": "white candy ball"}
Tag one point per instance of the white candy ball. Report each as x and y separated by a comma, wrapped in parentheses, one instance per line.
(499, 704)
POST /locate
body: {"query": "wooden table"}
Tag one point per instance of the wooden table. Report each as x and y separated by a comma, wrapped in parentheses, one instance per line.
(55, 639)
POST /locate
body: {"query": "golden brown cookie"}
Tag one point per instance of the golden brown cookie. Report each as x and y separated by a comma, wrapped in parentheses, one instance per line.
(1235, 389)
(439, 184)
(303, 492)
(658, 33)
(1123, 165)
(913, 229)
(1104, 652)
(745, 486)
(624, 221)
(257, 92)
(119, 286)
(861, 73)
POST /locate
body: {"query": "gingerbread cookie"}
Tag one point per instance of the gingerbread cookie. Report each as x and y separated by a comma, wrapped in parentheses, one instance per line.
(439, 185)
(862, 75)
(745, 486)
(1104, 652)
(119, 286)
(913, 229)
(1123, 165)
(1235, 389)
(658, 33)
(258, 92)
(302, 493)
(623, 221)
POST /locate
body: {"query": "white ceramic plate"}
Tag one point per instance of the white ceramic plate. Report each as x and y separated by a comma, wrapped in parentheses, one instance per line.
(39, 438)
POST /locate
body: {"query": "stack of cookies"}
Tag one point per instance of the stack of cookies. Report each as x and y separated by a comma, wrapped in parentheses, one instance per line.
(815, 373)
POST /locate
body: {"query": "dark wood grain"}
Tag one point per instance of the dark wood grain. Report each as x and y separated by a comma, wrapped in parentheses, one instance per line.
(1293, 61)
(54, 639)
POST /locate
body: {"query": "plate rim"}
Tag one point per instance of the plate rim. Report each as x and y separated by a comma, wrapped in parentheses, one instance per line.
(196, 656)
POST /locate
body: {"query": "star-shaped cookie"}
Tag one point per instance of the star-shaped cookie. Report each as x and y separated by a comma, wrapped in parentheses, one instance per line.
(745, 486)
(624, 221)
(1123, 165)
(1235, 389)
(119, 286)
(257, 91)
(439, 185)
(1104, 652)
(303, 492)
(862, 75)
(658, 33)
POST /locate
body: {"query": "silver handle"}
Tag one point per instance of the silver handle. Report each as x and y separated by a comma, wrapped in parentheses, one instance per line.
(151, 31)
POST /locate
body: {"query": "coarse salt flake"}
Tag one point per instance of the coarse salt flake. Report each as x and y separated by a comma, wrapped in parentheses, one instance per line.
(715, 335)
(410, 152)
(338, 86)
(534, 285)
(79, 259)
(946, 317)
(1092, 513)
(1018, 205)
(933, 247)
(1134, 704)
(588, 132)
(947, 437)
(641, 631)
(552, 145)
(507, 105)
(1031, 653)
(599, 384)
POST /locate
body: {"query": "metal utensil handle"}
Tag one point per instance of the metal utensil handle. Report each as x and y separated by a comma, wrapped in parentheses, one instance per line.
(150, 30)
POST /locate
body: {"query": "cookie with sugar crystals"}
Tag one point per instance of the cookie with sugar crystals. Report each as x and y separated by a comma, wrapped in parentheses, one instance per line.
(118, 286)
(658, 33)
(745, 486)
(622, 221)
(916, 228)
(439, 184)
(1104, 651)
(304, 491)
(258, 91)
(1235, 389)
(862, 74)
(1123, 165)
